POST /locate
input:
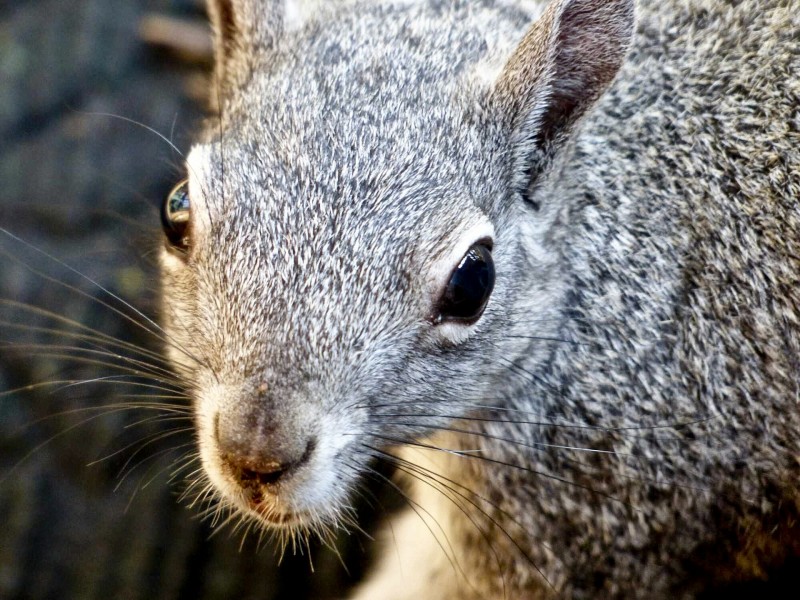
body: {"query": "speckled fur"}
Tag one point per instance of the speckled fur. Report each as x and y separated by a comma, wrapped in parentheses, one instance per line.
(647, 303)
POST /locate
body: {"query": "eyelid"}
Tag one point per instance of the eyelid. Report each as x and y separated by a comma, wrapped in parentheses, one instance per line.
(477, 230)
(176, 216)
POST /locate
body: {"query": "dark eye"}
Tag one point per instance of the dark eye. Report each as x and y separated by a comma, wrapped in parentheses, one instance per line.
(469, 287)
(175, 214)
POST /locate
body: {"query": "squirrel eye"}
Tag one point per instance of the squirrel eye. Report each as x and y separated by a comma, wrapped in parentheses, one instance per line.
(470, 286)
(175, 214)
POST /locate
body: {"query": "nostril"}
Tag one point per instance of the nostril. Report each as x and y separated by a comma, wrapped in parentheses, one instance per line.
(310, 447)
(266, 474)
(267, 469)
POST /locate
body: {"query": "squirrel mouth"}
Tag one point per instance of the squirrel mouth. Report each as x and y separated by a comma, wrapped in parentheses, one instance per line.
(278, 518)
(262, 497)
(267, 510)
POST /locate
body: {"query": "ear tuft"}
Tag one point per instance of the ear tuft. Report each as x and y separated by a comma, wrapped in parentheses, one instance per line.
(564, 64)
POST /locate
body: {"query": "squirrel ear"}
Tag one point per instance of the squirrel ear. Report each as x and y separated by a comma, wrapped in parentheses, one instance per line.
(565, 62)
(247, 28)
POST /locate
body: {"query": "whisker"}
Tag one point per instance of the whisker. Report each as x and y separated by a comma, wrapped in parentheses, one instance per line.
(105, 409)
(427, 475)
(73, 353)
(541, 420)
(507, 464)
(55, 436)
(62, 384)
(416, 507)
(145, 441)
(532, 445)
(147, 324)
(91, 335)
(155, 455)
(134, 122)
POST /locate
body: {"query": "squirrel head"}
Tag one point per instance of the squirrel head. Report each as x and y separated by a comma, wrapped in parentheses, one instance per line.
(365, 242)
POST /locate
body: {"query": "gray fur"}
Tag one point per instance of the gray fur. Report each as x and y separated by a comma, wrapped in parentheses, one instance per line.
(646, 305)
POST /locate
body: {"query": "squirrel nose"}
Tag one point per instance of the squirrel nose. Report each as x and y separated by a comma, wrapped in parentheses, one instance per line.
(258, 460)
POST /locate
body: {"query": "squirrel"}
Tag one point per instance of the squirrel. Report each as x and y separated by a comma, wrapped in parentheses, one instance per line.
(542, 257)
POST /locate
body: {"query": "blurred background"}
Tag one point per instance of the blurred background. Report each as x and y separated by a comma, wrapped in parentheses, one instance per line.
(87, 508)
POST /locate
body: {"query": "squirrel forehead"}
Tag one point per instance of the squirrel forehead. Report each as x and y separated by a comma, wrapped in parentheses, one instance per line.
(328, 212)
(317, 186)
(370, 78)
(372, 120)
(410, 47)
